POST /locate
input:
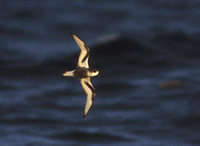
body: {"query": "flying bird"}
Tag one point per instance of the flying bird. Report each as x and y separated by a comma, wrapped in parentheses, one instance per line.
(83, 73)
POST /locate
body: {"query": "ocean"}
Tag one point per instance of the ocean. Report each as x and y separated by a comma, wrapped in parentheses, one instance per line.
(148, 88)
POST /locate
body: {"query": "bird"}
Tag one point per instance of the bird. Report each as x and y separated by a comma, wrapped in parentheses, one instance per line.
(84, 73)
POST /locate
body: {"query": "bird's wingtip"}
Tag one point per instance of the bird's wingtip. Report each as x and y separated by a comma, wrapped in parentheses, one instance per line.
(71, 33)
(84, 115)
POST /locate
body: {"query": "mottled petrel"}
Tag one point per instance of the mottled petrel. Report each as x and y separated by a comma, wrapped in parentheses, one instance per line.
(83, 73)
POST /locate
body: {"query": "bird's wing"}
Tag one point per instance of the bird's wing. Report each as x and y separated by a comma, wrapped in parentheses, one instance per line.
(84, 53)
(90, 92)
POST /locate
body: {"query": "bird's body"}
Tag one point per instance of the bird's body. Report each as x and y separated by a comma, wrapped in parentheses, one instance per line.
(83, 73)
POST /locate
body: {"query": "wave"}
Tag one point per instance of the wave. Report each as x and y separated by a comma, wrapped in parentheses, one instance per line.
(115, 56)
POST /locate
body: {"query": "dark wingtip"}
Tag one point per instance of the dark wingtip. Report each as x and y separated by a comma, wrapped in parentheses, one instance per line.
(84, 115)
(71, 33)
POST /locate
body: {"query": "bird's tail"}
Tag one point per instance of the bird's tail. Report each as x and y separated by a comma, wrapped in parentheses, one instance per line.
(69, 73)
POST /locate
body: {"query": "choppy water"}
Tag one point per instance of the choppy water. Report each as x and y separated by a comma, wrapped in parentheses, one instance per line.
(148, 54)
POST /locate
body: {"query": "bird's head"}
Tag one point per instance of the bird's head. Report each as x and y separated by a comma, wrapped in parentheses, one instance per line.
(94, 72)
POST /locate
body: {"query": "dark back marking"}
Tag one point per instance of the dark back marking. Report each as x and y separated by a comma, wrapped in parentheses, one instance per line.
(92, 89)
(87, 55)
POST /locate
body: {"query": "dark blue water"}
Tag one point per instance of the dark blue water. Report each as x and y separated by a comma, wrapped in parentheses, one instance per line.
(148, 89)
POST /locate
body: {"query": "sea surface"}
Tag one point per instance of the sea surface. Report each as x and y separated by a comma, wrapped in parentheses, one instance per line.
(148, 89)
